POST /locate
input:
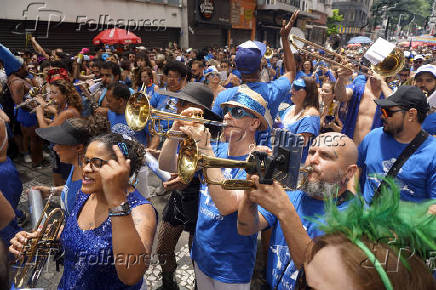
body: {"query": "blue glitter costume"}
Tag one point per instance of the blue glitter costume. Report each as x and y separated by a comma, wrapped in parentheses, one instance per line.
(89, 261)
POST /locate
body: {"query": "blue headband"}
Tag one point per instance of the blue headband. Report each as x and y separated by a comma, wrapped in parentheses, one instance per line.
(299, 82)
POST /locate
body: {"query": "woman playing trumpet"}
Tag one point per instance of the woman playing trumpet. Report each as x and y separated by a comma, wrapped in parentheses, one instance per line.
(68, 105)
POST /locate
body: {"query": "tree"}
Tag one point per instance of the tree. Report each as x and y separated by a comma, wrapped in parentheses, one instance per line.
(333, 22)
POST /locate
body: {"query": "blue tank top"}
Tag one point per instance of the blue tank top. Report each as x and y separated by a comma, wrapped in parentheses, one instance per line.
(89, 261)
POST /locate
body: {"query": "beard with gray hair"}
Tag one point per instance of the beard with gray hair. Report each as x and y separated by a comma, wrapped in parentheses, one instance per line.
(320, 189)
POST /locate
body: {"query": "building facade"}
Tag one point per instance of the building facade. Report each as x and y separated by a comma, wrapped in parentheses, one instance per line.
(356, 17)
(73, 24)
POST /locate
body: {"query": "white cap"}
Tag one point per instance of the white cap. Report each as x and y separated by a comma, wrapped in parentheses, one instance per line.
(418, 56)
(427, 68)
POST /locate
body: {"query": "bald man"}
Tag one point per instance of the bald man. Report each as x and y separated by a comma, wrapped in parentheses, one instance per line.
(333, 157)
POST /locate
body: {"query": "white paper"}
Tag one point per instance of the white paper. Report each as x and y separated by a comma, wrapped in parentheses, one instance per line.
(379, 51)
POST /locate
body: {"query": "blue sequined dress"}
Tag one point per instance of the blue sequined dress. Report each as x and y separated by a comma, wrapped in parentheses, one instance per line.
(89, 262)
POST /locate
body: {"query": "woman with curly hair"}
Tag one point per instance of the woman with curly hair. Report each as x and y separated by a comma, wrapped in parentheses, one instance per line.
(109, 235)
(68, 104)
(67, 100)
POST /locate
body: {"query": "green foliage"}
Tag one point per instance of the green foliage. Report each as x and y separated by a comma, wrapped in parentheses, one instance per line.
(333, 21)
(418, 8)
(388, 220)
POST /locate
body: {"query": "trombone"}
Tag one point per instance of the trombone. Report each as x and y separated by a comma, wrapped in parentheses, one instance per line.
(389, 67)
(190, 161)
(139, 111)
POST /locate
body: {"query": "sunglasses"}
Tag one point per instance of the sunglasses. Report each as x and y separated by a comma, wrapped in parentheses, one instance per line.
(389, 113)
(237, 112)
(297, 88)
(96, 163)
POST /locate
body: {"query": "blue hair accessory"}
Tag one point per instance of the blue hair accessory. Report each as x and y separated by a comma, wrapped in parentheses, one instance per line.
(123, 148)
(299, 82)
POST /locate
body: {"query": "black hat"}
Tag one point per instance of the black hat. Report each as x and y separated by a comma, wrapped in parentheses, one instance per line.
(64, 134)
(196, 93)
(406, 97)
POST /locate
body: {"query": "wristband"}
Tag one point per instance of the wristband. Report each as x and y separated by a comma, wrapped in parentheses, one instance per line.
(122, 210)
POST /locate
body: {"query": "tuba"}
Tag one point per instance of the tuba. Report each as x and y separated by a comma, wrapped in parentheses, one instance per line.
(38, 250)
(190, 161)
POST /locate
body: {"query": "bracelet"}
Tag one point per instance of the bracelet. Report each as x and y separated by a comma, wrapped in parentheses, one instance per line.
(52, 191)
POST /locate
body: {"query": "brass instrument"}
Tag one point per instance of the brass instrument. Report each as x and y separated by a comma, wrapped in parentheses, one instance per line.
(86, 82)
(190, 161)
(139, 112)
(390, 66)
(269, 53)
(38, 250)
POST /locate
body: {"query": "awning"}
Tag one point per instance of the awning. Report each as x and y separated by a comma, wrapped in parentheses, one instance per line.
(310, 26)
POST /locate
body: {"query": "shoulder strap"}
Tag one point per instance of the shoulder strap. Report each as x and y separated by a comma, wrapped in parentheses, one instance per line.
(407, 152)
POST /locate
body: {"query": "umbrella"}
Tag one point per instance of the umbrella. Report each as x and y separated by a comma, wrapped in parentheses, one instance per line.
(415, 44)
(428, 39)
(360, 39)
(116, 36)
(354, 45)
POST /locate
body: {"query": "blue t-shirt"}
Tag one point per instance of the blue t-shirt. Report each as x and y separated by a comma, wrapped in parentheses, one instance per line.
(429, 124)
(308, 124)
(219, 251)
(164, 103)
(119, 125)
(417, 177)
(70, 191)
(281, 270)
(302, 74)
(11, 187)
(274, 93)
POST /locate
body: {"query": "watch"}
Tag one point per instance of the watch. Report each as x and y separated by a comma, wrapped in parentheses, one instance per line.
(122, 210)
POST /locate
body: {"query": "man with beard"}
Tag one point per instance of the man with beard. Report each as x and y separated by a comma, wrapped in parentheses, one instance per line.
(425, 79)
(403, 113)
(291, 214)
(197, 70)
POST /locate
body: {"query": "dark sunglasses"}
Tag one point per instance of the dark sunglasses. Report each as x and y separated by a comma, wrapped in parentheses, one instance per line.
(389, 113)
(297, 88)
(237, 112)
(96, 163)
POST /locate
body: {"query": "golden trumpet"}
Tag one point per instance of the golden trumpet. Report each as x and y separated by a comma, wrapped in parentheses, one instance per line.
(139, 112)
(190, 161)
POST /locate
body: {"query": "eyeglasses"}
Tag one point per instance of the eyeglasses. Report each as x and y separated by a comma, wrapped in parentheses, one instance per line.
(388, 113)
(96, 163)
(237, 112)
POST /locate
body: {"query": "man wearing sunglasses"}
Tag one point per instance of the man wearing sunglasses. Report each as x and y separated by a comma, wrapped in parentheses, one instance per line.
(402, 114)
(249, 63)
(222, 258)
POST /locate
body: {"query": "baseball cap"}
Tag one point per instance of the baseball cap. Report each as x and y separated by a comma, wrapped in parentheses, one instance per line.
(64, 134)
(407, 97)
(418, 56)
(11, 63)
(249, 56)
(426, 68)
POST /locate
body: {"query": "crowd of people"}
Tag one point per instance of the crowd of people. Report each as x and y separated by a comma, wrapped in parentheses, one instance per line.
(73, 107)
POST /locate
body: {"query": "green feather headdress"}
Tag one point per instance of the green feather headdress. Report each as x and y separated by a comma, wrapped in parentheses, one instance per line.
(388, 220)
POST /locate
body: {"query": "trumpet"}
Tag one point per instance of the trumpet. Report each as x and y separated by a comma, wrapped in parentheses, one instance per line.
(86, 82)
(37, 250)
(139, 112)
(190, 161)
(269, 53)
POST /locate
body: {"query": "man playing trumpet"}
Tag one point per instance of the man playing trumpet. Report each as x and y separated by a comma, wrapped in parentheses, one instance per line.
(333, 158)
(223, 258)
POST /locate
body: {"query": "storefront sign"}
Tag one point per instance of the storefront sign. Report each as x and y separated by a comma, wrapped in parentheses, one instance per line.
(207, 8)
